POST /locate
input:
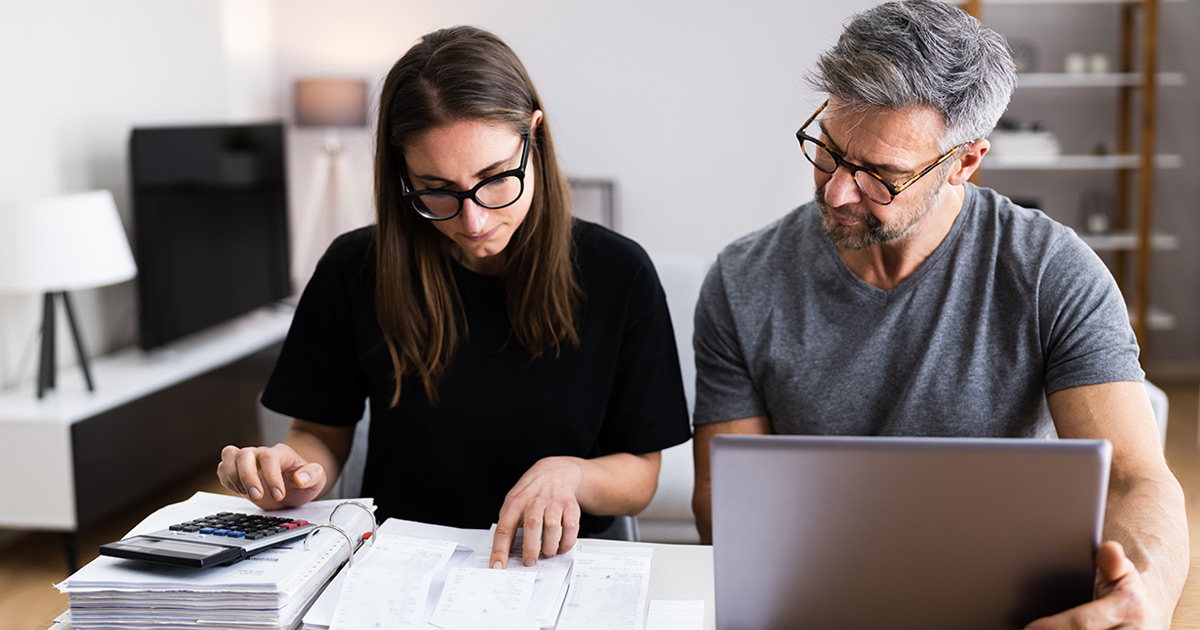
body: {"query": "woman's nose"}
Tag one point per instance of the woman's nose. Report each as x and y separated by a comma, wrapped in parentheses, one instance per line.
(474, 216)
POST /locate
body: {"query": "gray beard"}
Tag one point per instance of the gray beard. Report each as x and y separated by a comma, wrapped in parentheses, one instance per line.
(847, 237)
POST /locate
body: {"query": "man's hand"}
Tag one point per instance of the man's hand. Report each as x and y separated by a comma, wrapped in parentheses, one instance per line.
(1122, 599)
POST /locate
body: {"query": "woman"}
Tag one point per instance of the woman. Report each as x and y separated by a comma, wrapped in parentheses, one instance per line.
(520, 365)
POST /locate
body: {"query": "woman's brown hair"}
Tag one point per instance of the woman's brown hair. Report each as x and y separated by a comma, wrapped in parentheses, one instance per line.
(451, 75)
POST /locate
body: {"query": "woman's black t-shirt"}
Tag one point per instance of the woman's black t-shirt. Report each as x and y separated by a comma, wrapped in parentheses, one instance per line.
(500, 411)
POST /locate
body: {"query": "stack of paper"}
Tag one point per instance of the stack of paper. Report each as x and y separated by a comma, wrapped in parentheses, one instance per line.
(269, 590)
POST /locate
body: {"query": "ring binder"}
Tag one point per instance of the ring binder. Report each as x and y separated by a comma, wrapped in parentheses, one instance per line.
(349, 544)
(349, 539)
(369, 511)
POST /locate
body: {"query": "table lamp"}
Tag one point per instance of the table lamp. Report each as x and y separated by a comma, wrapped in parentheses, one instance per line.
(330, 104)
(59, 244)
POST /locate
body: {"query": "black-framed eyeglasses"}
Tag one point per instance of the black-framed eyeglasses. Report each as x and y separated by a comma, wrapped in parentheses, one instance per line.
(494, 192)
(874, 186)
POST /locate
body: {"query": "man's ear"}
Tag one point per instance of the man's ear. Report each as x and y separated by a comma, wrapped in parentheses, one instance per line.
(968, 161)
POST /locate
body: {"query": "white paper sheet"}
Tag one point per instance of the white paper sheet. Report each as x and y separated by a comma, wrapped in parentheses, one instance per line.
(485, 598)
(608, 591)
(388, 589)
(673, 614)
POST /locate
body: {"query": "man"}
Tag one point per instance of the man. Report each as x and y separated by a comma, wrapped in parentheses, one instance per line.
(904, 300)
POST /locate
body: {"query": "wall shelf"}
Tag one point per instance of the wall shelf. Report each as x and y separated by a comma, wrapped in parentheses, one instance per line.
(1134, 85)
(1077, 162)
(1107, 79)
(1127, 241)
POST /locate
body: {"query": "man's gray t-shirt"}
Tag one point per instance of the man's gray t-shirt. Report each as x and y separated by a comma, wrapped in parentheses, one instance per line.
(1010, 308)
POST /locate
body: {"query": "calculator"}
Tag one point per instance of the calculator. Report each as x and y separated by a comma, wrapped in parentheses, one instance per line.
(216, 539)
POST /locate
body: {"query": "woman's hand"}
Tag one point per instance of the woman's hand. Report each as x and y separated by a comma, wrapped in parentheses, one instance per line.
(543, 501)
(270, 476)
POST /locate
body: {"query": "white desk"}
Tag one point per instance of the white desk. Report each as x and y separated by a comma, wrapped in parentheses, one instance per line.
(38, 453)
(678, 572)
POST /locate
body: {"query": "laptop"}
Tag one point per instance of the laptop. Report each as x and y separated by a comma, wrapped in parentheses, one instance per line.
(883, 532)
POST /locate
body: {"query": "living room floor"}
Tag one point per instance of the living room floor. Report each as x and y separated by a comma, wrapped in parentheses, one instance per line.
(32, 562)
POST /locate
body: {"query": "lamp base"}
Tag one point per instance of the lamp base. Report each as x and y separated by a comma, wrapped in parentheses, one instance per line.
(47, 371)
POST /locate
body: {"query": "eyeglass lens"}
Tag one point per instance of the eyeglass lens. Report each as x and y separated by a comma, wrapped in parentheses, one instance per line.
(493, 194)
(826, 163)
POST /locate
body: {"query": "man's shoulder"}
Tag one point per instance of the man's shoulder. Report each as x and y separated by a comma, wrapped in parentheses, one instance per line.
(766, 245)
(1026, 233)
(1018, 221)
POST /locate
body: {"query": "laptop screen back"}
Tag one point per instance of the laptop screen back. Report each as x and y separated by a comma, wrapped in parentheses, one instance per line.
(839, 532)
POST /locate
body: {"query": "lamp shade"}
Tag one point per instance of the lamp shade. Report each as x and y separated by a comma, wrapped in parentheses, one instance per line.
(331, 103)
(63, 243)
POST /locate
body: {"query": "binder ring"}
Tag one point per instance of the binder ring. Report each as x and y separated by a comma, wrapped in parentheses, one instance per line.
(374, 525)
(349, 544)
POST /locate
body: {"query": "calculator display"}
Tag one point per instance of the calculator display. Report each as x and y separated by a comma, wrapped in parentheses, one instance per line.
(181, 548)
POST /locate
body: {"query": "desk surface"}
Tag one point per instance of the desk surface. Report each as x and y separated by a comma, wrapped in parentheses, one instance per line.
(685, 572)
(1187, 614)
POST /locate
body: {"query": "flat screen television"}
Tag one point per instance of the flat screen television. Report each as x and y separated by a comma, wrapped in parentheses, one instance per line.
(210, 225)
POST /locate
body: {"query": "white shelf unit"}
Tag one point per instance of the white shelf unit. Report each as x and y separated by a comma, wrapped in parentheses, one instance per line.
(36, 435)
(1136, 157)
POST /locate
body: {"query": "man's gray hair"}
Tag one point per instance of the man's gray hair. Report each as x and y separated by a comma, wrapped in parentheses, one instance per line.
(922, 52)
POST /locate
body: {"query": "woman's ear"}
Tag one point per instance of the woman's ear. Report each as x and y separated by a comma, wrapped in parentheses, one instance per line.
(968, 162)
(537, 119)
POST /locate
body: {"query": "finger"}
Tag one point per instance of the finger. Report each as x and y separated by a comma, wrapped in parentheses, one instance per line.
(1100, 614)
(308, 475)
(227, 470)
(248, 473)
(502, 540)
(271, 469)
(1112, 563)
(531, 546)
(570, 534)
(552, 530)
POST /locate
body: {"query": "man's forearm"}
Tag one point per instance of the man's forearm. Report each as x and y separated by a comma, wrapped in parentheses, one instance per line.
(702, 508)
(1147, 515)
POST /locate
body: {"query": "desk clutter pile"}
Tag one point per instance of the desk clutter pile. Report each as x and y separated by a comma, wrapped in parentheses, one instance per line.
(408, 575)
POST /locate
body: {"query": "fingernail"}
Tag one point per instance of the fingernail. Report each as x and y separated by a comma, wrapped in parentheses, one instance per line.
(255, 494)
(277, 493)
(530, 562)
(497, 565)
(303, 477)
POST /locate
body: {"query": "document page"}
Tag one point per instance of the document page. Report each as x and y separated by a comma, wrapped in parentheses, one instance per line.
(388, 588)
(550, 585)
(484, 598)
(608, 590)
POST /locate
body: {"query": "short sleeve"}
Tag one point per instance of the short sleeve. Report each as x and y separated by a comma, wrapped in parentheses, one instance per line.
(647, 407)
(317, 377)
(724, 387)
(1084, 323)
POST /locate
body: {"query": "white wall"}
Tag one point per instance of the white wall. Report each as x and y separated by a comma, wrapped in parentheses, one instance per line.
(691, 108)
(78, 76)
